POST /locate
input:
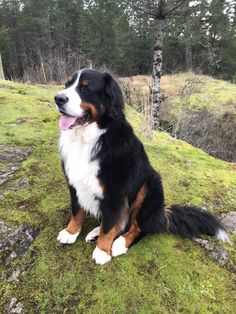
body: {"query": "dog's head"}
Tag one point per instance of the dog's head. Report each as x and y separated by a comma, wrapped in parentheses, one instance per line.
(89, 96)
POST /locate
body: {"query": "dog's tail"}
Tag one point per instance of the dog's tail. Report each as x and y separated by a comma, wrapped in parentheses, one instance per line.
(188, 222)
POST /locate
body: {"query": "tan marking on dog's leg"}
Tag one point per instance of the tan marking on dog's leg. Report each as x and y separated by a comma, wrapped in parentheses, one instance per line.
(121, 244)
(105, 241)
(134, 228)
(76, 222)
(102, 252)
(130, 236)
(72, 231)
(137, 203)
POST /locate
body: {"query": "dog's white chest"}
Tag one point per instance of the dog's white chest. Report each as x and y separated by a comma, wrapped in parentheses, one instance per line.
(76, 146)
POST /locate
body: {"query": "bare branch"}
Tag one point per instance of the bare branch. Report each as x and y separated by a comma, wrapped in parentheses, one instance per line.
(160, 11)
(175, 7)
(138, 8)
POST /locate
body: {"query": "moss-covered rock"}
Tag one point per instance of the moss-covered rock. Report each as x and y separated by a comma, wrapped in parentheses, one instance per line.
(161, 274)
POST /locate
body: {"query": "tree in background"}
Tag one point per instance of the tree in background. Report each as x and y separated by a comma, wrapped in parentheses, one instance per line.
(36, 33)
(222, 37)
(56, 37)
(1, 69)
(109, 34)
(200, 30)
(159, 11)
(204, 39)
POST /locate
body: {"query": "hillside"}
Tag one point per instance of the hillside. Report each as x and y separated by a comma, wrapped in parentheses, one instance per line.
(196, 108)
(161, 274)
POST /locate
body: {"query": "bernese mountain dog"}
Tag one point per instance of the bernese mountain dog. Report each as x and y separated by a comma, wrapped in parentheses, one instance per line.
(109, 175)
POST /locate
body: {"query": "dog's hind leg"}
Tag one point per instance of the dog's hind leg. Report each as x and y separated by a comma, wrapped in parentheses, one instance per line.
(102, 252)
(111, 227)
(121, 244)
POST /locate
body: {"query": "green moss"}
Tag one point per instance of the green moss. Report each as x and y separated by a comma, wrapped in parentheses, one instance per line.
(161, 274)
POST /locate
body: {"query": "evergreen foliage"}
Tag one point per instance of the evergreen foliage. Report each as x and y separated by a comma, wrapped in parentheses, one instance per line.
(57, 36)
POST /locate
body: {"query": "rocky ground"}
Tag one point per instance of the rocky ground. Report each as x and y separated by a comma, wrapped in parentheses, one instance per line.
(15, 241)
(11, 158)
(38, 275)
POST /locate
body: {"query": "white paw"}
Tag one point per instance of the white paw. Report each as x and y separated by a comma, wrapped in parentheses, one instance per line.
(118, 247)
(101, 257)
(66, 237)
(92, 235)
(222, 236)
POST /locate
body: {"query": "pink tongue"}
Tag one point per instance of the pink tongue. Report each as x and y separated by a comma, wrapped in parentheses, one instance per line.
(66, 121)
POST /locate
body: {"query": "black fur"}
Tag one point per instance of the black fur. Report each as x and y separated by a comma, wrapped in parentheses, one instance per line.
(73, 197)
(189, 221)
(125, 168)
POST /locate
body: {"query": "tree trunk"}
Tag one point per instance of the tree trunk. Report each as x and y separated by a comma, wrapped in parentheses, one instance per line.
(188, 57)
(156, 72)
(1, 70)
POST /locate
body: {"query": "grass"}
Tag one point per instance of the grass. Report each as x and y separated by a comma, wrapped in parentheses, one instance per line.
(196, 108)
(161, 274)
(171, 85)
(206, 92)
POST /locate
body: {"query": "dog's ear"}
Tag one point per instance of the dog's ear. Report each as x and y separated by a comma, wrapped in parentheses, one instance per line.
(113, 97)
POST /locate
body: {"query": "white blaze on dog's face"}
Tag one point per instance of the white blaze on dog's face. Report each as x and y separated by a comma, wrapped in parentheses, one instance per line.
(72, 98)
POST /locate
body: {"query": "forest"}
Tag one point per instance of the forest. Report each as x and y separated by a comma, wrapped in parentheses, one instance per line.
(44, 41)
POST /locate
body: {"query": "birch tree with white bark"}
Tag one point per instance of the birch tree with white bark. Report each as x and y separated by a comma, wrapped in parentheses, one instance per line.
(1, 69)
(159, 11)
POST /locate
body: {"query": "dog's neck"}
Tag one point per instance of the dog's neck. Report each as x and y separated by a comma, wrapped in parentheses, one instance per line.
(84, 134)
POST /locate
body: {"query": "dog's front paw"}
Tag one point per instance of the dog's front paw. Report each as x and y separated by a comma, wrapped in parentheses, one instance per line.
(93, 235)
(118, 247)
(101, 257)
(67, 238)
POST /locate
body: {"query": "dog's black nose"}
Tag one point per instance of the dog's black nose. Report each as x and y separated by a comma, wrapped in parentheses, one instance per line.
(60, 99)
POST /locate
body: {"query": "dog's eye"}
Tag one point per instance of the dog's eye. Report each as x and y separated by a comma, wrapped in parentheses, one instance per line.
(84, 88)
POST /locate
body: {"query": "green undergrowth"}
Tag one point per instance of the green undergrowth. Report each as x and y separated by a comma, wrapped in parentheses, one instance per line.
(161, 274)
